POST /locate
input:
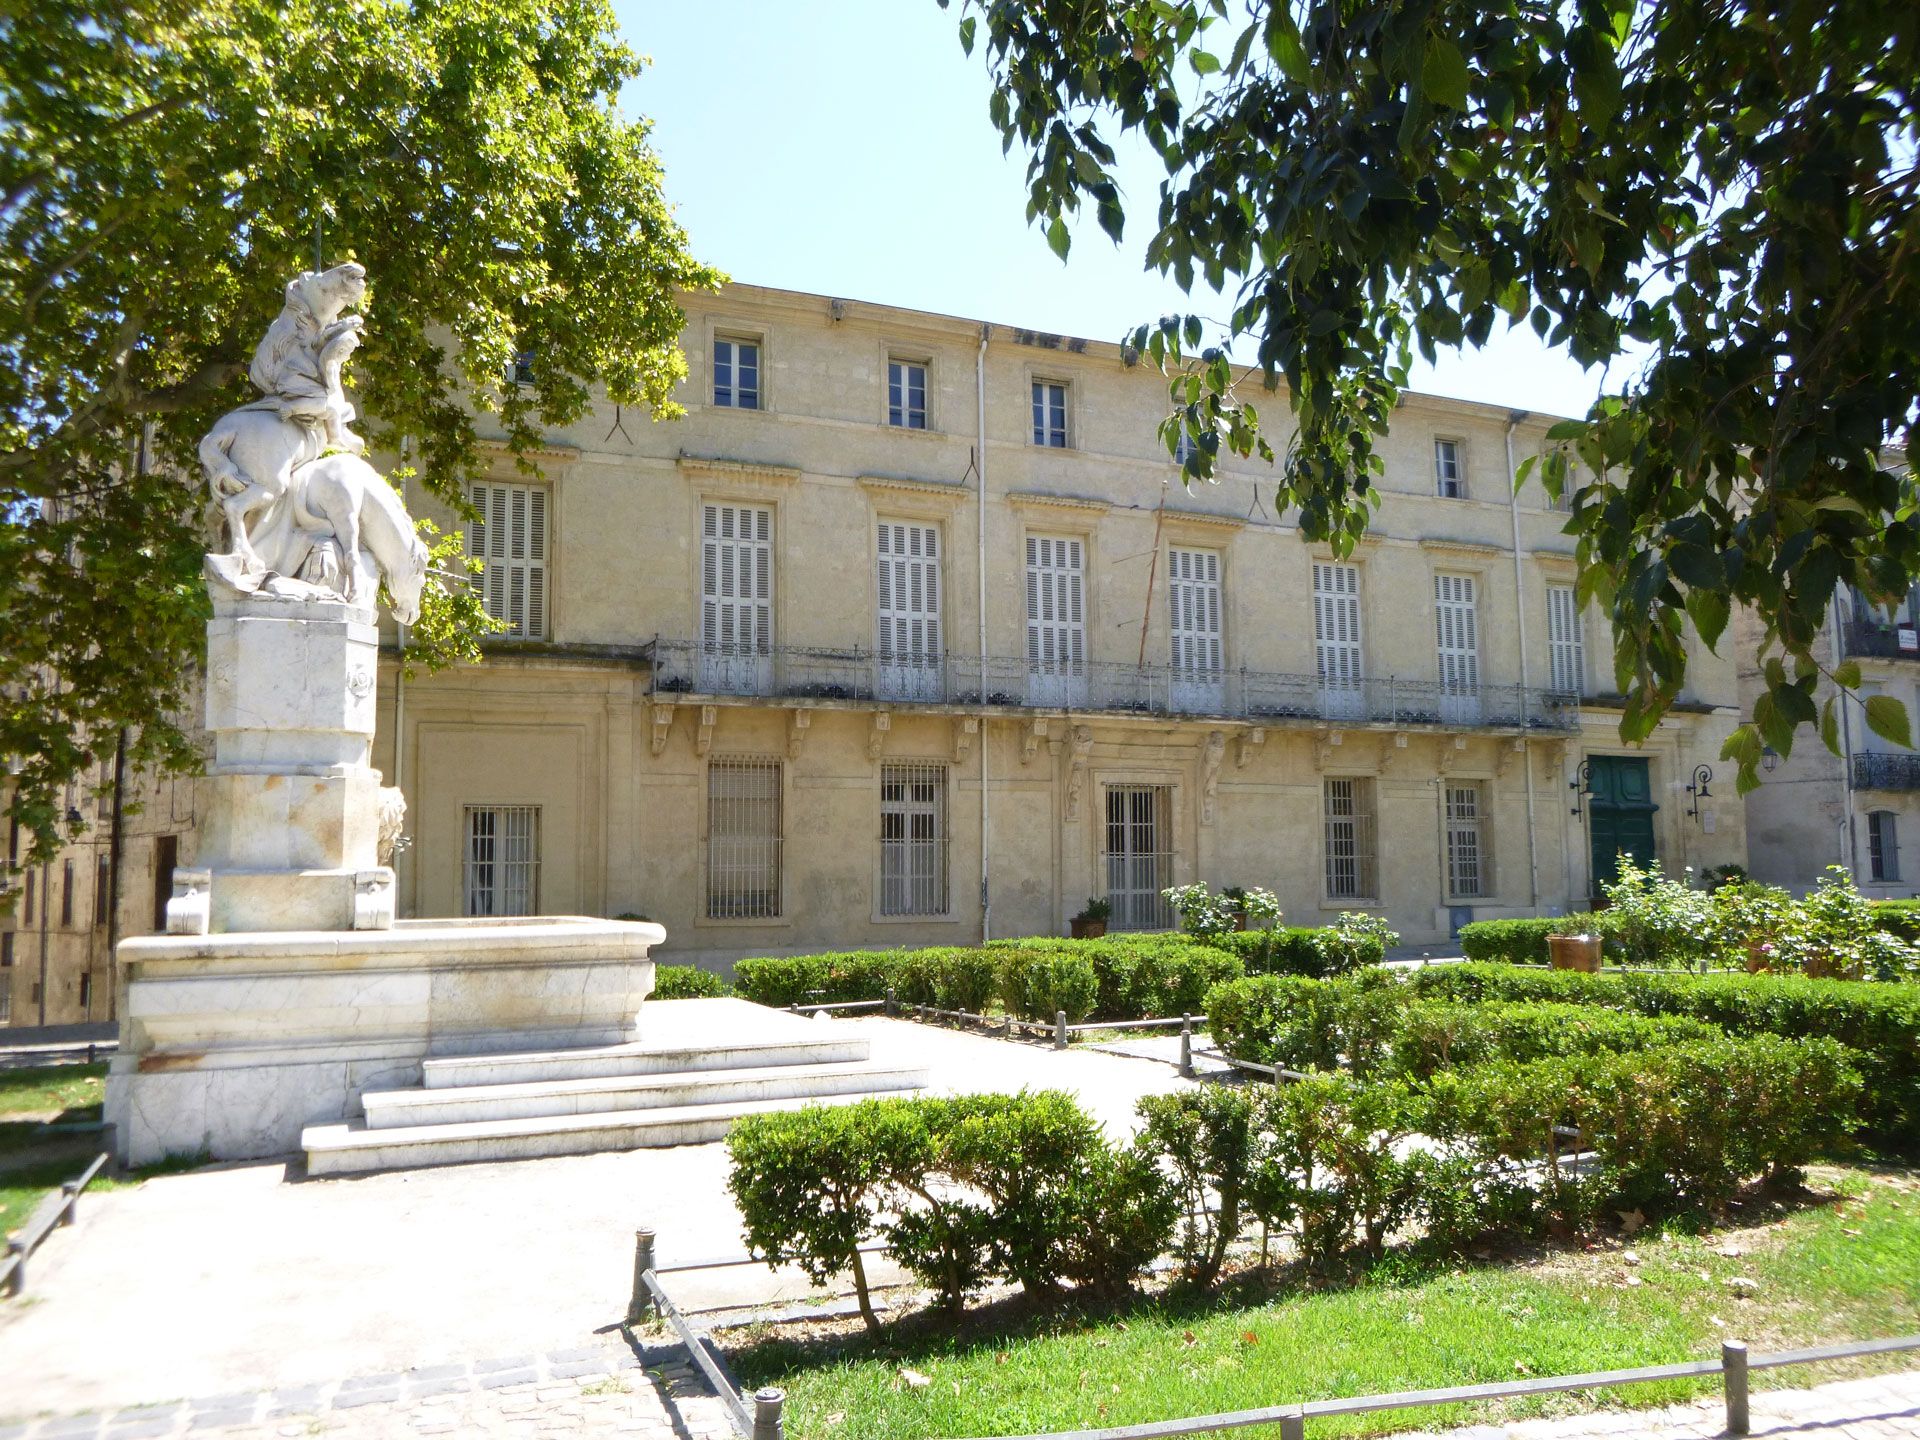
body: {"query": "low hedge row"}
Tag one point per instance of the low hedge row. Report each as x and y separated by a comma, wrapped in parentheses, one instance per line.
(1433, 1036)
(1898, 917)
(1522, 941)
(686, 982)
(1343, 1162)
(1121, 977)
(1299, 950)
(1881, 1023)
(964, 1190)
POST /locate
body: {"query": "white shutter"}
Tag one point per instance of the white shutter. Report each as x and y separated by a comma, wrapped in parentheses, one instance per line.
(1056, 619)
(1193, 596)
(511, 540)
(909, 610)
(1564, 641)
(736, 595)
(1336, 638)
(1456, 634)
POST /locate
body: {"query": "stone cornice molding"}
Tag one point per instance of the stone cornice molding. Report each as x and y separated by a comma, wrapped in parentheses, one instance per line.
(1461, 547)
(1041, 500)
(945, 491)
(1205, 519)
(752, 472)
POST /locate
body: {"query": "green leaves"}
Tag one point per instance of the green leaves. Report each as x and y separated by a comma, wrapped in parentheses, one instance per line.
(1443, 76)
(1887, 718)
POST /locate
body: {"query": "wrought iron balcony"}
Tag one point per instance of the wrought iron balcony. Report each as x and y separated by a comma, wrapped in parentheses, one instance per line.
(1874, 637)
(1886, 772)
(856, 674)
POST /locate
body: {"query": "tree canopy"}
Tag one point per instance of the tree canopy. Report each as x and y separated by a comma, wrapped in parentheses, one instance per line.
(1731, 186)
(164, 167)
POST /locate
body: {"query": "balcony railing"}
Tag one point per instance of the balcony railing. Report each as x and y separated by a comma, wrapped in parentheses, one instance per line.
(1873, 637)
(788, 672)
(1886, 772)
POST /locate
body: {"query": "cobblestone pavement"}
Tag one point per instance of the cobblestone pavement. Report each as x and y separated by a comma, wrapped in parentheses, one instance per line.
(1883, 1407)
(601, 1390)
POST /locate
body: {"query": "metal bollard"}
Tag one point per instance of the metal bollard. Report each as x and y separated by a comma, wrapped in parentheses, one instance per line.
(72, 1192)
(893, 1002)
(1733, 1362)
(768, 1421)
(641, 1306)
(17, 1281)
(1293, 1426)
(1186, 1047)
(1059, 1029)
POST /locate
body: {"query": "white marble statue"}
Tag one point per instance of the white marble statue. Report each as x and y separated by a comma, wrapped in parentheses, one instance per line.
(307, 517)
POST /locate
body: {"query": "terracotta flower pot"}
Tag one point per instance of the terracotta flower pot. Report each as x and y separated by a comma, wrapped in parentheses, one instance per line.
(1088, 929)
(1575, 952)
(1758, 957)
(1240, 920)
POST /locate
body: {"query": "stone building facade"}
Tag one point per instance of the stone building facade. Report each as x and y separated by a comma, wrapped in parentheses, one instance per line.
(909, 633)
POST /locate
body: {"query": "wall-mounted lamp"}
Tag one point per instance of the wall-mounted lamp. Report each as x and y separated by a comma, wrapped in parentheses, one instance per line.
(1697, 788)
(74, 817)
(1769, 759)
(1581, 784)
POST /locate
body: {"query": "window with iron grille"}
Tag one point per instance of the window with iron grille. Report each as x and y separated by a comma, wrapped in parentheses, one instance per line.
(502, 865)
(913, 839)
(736, 374)
(1883, 846)
(510, 539)
(1351, 870)
(906, 395)
(86, 990)
(1450, 476)
(102, 888)
(6, 953)
(66, 894)
(743, 838)
(1469, 874)
(1566, 646)
(1050, 414)
(1139, 856)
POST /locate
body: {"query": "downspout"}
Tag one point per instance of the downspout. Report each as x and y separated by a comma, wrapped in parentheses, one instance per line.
(1514, 417)
(400, 701)
(980, 597)
(1847, 841)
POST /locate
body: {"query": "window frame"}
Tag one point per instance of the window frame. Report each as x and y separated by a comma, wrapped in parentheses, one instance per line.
(905, 361)
(735, 338)
(499, 864)
(1364, 838)
(1458, 459)
(1883, 836)
(1569, 650)
(479, 538)
(713, 907)
(1460, 827)
(1040, 432)
(937, 887)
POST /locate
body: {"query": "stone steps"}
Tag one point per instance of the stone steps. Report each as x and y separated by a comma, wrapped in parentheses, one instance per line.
(702, 1065)
(398, 1109)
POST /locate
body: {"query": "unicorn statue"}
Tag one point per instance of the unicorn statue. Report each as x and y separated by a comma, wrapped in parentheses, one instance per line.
(307, 518)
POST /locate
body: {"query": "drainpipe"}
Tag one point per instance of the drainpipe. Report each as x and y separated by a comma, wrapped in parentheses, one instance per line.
(980, 538)
(1846, 745)
(400, 697)
(1514, 417)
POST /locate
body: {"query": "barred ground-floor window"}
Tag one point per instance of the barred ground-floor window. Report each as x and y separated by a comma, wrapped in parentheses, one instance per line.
(913, 839)
(743, 838)
(502, 863)
(1883, 846)
(1139, 856)
(1350, 856)
(1469, 867)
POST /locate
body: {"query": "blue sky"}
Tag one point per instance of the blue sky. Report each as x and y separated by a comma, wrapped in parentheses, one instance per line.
(842, 147)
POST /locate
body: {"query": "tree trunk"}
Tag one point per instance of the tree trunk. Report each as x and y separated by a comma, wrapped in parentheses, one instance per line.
(860, 1293)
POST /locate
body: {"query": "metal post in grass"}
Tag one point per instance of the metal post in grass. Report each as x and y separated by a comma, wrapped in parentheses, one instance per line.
(1186, 1047)
(641, 1306)
(1733, 1365)
(1059, 1029)
(1293, 1426)
(768, 1420)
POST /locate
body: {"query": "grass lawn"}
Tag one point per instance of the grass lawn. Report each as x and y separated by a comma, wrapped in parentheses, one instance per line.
(1842, 1263)
(32, 1162)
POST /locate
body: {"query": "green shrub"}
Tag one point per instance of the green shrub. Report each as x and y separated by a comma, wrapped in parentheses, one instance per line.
(962, 1189)
(817, 979)
(1476, 980)
(1035, 984)
(1898, 917)
(1432, 1036)
(1302, 1024)
(1141, 976)
(685, 982)
(1305, 950)
(1335, 1147)
(1656, 921)
(1522, 941)
(1204, 1139)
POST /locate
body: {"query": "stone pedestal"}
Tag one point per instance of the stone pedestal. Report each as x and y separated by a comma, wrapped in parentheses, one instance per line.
(231, 1044)
(290, 821)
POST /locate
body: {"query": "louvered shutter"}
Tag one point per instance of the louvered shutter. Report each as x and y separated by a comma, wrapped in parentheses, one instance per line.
(736, 595)
(1564, 641)
(1056, 622)
(1336, 637)
(511, 541)
(1193, 597)
(909, 620)
(1457, 641)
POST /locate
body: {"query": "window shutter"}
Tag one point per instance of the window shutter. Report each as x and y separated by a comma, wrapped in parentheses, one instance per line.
(1336, 627)
(736, 578)
(510, 540)
(1193, 595)
(1566, 646)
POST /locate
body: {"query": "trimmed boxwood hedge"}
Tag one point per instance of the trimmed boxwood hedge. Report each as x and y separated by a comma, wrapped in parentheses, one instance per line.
(685, 982)
(1898, 917)
(1289, 950)
(1880, 1022)
(1432, 1035)
(1522, 941)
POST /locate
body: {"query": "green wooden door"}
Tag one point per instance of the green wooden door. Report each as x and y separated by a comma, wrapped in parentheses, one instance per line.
(1620, 813)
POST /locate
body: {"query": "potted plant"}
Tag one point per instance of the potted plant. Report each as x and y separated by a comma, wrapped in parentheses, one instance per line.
(1091, 923)
(1235, 897)
(1574, 946)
